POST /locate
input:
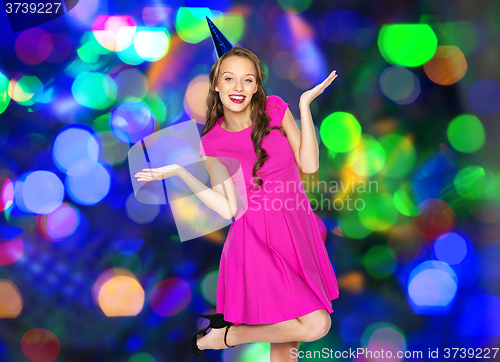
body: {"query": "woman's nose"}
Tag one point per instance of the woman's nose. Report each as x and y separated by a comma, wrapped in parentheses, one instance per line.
(238, 87)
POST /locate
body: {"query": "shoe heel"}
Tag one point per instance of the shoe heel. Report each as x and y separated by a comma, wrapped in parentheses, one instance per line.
(216, 320)
(195, 351)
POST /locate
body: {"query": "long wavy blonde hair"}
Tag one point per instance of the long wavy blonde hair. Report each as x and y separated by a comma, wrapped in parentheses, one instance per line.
(260, 120)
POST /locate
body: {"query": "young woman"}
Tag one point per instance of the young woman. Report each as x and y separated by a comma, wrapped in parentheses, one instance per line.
(276, 281)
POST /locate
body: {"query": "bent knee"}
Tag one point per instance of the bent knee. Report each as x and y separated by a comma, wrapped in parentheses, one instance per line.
(319, 327)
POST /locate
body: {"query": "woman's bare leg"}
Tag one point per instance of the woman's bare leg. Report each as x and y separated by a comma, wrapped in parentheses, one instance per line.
(283, 352)
(307, 328)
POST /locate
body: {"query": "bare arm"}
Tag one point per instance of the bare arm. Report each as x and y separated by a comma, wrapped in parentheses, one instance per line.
(222, 197)
(304, 143)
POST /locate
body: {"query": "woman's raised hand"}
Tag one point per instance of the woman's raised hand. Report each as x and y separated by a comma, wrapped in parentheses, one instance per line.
(150, 174)
(310, 95)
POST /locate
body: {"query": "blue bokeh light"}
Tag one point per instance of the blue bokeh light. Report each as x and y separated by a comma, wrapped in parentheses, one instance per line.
(450, 248)
(432, 288)
(38, 192)
(71, 145)
(88, 182)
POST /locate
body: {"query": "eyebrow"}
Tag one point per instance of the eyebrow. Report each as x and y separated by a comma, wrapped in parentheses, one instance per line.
(233, 73)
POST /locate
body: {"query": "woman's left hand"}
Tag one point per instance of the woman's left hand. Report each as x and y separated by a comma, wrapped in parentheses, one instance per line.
(310, 95)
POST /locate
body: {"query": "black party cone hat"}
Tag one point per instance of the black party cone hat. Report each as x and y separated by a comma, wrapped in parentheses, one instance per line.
(221, 43)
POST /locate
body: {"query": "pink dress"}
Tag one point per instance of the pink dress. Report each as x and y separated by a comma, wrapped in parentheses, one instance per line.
(274, 265)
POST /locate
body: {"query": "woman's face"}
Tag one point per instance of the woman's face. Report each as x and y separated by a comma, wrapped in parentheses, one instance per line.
(237, 83)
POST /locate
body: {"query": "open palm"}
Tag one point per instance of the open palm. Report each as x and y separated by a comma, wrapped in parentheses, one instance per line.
(310, 95)
(161, 173)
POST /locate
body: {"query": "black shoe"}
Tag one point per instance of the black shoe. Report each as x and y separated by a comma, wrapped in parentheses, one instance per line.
(216, 321)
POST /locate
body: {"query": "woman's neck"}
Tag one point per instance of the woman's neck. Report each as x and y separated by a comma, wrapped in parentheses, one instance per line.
(236, 121)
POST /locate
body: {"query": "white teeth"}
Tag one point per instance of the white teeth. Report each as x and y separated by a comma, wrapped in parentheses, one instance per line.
(237, 98)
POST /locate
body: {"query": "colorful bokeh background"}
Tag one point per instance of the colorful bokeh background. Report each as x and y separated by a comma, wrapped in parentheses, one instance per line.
(409, 152)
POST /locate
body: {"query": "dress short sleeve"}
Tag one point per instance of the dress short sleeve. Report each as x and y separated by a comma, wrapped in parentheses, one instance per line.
(206, 149)
(277, 108)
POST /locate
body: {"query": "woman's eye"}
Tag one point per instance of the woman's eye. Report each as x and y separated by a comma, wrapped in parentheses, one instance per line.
(249, 80)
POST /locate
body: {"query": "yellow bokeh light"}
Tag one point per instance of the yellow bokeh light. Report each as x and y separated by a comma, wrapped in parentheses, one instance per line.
(17, 93)
(118, 293)
(11, 301)
(195, 102)
(121, 296)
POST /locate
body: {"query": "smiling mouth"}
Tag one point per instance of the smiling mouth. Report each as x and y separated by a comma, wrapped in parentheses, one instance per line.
(237, 99)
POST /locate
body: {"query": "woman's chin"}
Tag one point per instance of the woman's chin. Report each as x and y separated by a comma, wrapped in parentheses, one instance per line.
(236, 108)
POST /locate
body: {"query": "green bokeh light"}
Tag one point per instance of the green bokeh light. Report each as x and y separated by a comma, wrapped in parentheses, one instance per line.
(156, 106)
(142, 357)
(379, 212)
(466, 133)
(400, 155)
(4, 94)
(380, 261)
(369, 157)
(368, 163)
(90, 50)
(209, 287)
(87, 54)
(191, 24)
(470, 182)
(94, 90)
(32, 86)
(405, 200)
(234, 26)
(491, 190)
(409, 45)
(340, 132)
(102, 123)
(351, 226)
(254, 352)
